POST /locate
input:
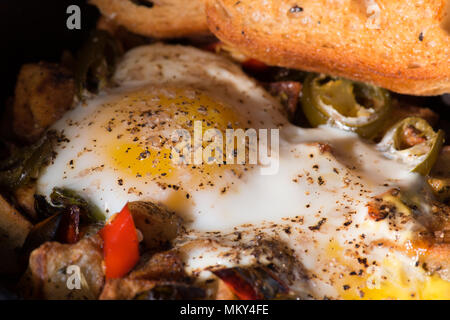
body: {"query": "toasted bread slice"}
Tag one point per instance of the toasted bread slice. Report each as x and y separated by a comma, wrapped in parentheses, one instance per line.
(401, 45)
(156, 18)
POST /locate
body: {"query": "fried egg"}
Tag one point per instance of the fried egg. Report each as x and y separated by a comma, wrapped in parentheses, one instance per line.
(118, 147)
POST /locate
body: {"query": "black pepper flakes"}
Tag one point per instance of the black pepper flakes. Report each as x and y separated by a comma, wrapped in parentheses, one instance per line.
(421, 36)
(144, 3)
(318, 225)
(320, 181)
(143, 155)
(363, 261)
(296, 9)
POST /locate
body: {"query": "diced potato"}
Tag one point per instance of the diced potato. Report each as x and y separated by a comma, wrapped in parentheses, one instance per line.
(157, 225)
(403, 110)
(43, 93)
(439, 179)
(125, 289)
(441, 187)
(288, 93)
(14, 229)
(165, 265)
(162, 276)
(25, 199)
(161, 267)
(48, 276)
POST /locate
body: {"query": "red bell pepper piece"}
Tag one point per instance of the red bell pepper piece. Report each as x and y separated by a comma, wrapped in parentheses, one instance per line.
(242, 288)
(69, 228)
(120, 244)
(255, 66)
(252, 283)
(211, 47)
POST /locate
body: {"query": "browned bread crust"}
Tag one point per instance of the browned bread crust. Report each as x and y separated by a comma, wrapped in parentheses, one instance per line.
(404, 46)
(156, 18)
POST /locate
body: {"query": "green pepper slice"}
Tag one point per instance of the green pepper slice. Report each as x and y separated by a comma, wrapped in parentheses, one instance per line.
(63, 197)
(96, 62)
(348, 105)
(24, 164)
(413, 141)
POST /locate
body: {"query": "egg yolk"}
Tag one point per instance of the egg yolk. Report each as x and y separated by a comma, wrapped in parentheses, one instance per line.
(148, 118)
(393, 284)
(137, 161)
